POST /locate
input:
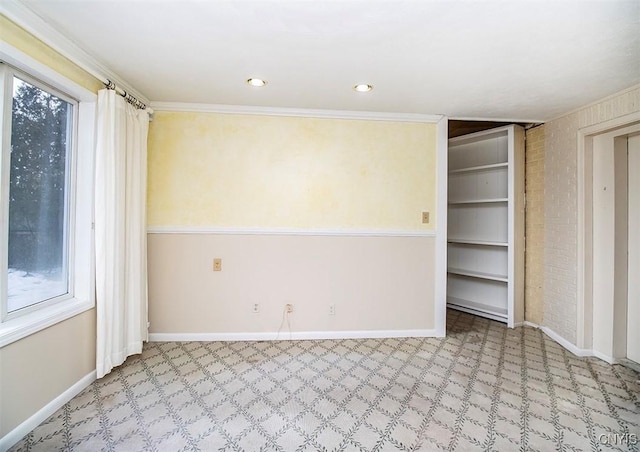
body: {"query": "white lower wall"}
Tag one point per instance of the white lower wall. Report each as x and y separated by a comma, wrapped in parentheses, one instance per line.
(36, 370)
(376, 283)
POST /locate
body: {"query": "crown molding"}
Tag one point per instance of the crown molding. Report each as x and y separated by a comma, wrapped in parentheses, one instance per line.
(294, 112)
(22, 15)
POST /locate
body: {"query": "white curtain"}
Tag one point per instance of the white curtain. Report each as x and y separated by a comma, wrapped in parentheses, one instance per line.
(120, 230)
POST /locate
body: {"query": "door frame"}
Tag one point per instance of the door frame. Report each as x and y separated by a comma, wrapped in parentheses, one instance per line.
(584, 307)
(632, 343)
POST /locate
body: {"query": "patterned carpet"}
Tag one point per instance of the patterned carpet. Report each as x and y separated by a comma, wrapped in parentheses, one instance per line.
(483, 387)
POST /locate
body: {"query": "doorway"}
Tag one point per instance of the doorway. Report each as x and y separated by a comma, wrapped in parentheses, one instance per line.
(609, 248)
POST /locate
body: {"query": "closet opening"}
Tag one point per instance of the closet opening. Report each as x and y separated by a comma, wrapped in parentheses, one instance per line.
(485, 234)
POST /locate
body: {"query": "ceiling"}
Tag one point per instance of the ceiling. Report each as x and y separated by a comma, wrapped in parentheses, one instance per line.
(514, 60)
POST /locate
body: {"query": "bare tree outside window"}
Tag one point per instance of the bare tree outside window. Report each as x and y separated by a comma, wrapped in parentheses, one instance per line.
(38, 196)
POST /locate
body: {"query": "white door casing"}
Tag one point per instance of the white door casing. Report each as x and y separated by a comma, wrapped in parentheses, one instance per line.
(633, 302)
(602, 292)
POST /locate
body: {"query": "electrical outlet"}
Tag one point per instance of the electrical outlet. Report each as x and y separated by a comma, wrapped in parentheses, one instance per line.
(256, 308)
(289, 308)
(425, 217)
(217, 265)
(332, 309)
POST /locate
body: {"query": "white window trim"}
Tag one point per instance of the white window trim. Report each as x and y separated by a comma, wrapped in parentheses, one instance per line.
(82, 264)
(10, 72)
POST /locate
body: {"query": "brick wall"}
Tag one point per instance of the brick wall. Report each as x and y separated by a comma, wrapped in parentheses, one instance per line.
(534, 225)
(560, 206)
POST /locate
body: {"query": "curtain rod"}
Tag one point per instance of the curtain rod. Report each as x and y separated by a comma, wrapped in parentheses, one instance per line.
(127, 96)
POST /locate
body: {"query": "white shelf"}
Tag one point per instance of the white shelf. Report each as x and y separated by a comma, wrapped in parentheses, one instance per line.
(479, 168)
(480, 201)
(477, 242)
(485, 230)
(476, 274)
(473, 307)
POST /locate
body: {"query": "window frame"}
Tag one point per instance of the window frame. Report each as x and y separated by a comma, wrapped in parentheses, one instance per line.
(9, 72)
(80, 296)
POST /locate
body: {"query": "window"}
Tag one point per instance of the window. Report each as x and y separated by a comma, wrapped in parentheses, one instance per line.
(46, 196)
(41, 130)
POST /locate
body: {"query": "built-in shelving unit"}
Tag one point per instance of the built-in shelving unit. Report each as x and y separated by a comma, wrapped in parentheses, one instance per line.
(486, 224)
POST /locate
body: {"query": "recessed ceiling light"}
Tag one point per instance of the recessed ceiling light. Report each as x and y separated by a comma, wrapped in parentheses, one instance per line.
(256, 82)
(363, 87)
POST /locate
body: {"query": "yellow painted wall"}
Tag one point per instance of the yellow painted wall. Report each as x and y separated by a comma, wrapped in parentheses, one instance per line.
(251, 171)
(37, 369)
(22, 40)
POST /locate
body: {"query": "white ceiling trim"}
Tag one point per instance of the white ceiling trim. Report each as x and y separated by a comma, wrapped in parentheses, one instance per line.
(294, 112)
(41, 29)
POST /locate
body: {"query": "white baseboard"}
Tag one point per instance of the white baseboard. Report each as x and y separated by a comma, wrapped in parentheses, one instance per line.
(285, 336)
(582, 352)
(41, 415)
(565, 343)
(606, 358)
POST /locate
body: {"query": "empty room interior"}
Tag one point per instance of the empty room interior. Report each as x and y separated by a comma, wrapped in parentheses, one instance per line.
(332, 225)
